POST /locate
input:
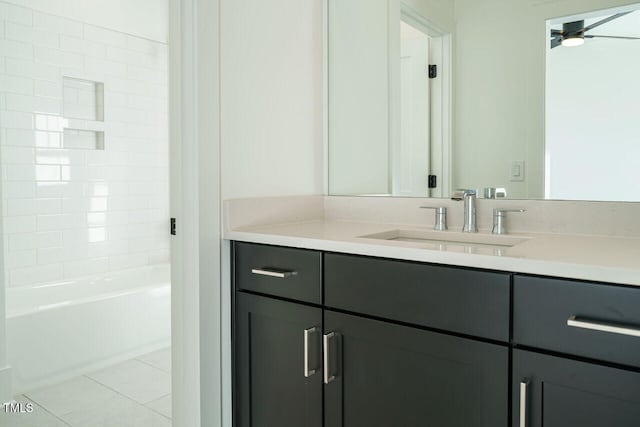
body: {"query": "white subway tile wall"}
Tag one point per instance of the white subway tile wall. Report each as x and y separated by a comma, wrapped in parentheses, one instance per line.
(70, 211)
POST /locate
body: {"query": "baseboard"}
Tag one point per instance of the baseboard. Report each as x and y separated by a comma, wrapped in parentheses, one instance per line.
(5, 384)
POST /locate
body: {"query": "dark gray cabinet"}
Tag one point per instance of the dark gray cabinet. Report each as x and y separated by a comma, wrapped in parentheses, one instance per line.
(593, 320)
(558, 392)
(382, 375)
(334, 340)
(275, 382)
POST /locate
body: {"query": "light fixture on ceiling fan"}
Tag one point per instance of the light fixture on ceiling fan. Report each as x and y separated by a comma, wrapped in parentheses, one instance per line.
(574, 33)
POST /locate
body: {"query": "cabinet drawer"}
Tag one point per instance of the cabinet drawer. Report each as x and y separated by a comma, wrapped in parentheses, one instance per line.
(447, 298)
(583, 319)
(274, 270)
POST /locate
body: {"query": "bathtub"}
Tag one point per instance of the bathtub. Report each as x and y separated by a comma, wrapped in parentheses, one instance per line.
(59, 330)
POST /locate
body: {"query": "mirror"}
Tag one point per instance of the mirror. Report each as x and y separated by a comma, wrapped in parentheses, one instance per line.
(510, 108)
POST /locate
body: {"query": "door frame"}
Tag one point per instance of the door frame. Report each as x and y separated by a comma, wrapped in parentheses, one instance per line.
(194, 117)
(5, 370)
(417, 160)
(441, 93)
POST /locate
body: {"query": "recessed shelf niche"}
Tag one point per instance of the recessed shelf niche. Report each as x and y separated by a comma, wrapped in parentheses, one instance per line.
(83, 110)
(83, 139)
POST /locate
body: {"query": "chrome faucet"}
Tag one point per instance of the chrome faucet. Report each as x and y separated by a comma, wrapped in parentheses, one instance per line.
(469, 199)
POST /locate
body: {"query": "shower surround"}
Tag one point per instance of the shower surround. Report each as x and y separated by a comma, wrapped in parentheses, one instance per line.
(84, 158)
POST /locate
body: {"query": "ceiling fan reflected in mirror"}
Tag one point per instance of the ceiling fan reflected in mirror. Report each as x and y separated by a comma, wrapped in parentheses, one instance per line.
(574, 33)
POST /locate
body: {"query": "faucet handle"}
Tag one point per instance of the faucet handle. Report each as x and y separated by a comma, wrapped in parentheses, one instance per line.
(461, 193)
(499, 219)
(441, 217)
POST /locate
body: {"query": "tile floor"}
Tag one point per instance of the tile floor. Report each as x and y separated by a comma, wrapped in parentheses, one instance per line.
(134, 393)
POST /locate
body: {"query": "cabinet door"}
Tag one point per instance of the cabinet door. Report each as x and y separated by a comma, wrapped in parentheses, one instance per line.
(572, 393)
(277, 363)
(383, 374)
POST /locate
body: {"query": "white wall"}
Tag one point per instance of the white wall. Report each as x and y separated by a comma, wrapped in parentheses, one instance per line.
(592, 115)
(271, 97)
(271, 130)
(143, 18)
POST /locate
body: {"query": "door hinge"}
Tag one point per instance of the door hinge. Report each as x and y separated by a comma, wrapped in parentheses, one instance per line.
(433, 181)
(173, 226)
(433, 71)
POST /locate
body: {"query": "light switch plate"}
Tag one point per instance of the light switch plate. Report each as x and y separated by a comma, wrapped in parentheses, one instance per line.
(516, 171)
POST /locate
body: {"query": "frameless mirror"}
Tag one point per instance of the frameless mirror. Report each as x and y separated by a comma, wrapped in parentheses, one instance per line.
(525, 99)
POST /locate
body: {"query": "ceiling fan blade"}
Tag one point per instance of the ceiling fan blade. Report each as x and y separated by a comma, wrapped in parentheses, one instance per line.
(556, 42)
(611, 37)
(604, 21)
(556, 33)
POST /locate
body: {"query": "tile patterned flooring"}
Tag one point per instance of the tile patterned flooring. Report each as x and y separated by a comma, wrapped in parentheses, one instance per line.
(134, 393)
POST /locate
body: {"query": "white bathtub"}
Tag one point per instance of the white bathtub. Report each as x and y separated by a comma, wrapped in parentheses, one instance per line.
(59, 330)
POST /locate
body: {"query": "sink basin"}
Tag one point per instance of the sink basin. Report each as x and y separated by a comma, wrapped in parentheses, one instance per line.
(448, 237)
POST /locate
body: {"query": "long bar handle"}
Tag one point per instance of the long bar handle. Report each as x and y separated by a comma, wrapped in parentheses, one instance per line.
(281, 274)
(524, 384)
(325, 344)
(307, 333)
(612, 328)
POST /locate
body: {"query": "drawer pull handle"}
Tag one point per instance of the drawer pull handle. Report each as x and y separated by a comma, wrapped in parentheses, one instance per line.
(280, 274)
(524, 384)
(612, 328)
(307, 333)
(326, 339)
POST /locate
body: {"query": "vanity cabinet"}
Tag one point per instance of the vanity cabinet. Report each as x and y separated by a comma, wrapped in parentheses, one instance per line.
(375, 366)
(336, 340)
(553, 391)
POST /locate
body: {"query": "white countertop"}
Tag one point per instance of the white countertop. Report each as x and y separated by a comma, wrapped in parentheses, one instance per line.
(595, 258)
